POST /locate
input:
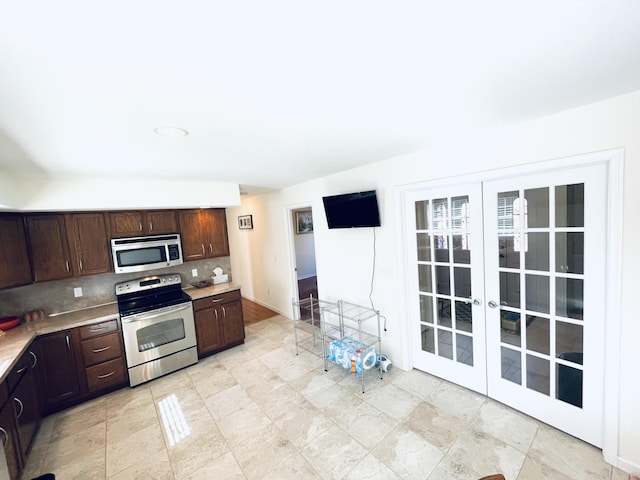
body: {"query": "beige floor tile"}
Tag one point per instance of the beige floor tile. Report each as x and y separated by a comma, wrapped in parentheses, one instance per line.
(334, 453)
(367, 424)
(435, 425)
(392, 400)
(568, 455)
(456, 400)
(262, 453)
(506, 424)
(224, 467)
(534, 470)
(157, 468)
(483, 453)
(303, 423)
(227, 401)
(370, 468)
(416, 382)
(243, 424)
(294, 467)
(142, 445)
(408, 454)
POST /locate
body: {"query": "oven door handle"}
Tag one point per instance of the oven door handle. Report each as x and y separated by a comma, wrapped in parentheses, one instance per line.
(143, 316)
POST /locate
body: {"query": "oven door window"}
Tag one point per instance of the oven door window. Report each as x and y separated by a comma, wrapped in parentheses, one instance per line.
(141, 256)
(159, 334)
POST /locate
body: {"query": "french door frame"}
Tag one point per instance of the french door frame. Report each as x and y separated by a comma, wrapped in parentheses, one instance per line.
(614, 160)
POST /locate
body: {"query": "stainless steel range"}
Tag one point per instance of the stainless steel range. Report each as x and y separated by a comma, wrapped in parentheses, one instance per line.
(157, 326)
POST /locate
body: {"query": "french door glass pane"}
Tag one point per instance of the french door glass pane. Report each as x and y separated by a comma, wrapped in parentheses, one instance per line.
(569, 297)
(569, 385)
(445, 343)
(509, 258)
(569, 340)
(443, 280)
(444, 312)
(426, 308)
(510, 328)
(537, 255)
(510, 289)
(570, 252)
(537, 293)
(424, 247)
(425, 284)
(511, 365)
(427, 339)
(538, 334)
(538, 374)
(536, 208)
(464, 347)
(570, 205)
(464, 319)
(422, 219)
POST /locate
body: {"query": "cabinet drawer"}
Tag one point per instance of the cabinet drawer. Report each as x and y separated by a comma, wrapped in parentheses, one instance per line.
(214, 300)
(105, 375)
(101, 349)
(96, 329)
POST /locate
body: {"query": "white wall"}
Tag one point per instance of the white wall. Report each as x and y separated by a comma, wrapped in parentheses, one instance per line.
(261, 259)
(117, 193)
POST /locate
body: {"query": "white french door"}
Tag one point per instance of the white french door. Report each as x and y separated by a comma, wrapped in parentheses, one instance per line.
(508, 289)
(445, 246)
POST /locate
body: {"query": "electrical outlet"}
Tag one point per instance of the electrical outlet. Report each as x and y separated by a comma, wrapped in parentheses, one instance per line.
(77, 292)
(194, 272)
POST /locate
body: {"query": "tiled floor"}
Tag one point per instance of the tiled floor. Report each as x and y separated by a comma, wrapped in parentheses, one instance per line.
(258, 411)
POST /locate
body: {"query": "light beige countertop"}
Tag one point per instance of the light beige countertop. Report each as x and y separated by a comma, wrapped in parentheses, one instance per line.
(197, 293)
(15, 342)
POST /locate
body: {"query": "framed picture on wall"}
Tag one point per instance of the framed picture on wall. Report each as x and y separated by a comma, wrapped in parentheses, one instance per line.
(245, 222)
(304, 222)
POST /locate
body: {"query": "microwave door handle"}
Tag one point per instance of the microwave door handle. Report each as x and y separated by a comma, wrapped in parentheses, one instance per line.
(140, 316)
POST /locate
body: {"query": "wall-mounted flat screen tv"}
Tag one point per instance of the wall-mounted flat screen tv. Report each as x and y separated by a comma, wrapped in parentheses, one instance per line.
(352, 210)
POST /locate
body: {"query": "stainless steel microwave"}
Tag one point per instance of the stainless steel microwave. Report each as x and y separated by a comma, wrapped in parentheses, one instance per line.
(137, 254)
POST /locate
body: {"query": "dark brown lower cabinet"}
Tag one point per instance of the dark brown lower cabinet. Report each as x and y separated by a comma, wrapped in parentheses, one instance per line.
(9, 434)
(219, 322)
(57, 370)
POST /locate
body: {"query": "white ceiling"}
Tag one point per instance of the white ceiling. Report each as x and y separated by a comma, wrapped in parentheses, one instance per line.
(274, 93)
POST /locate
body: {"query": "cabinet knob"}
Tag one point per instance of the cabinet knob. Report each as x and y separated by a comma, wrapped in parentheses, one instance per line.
(18, 415)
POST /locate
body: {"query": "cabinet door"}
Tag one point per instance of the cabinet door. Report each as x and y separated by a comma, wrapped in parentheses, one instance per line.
(26, 408)
(193, 233)
(14, 260)
(126, 224)
(8, 437)
(209, 330)
(57, 368)
(161, 221)
(89, 240)
(49, 247)
(217, 233)
(233, 323)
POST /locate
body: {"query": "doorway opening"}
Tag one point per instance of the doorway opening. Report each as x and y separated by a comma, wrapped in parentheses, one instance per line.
(306, 278)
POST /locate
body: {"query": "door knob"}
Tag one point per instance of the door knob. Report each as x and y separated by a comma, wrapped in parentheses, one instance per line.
(493, 304)
(477, 301)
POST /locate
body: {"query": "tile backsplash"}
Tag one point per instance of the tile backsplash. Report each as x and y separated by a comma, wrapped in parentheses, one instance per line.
(58, 296)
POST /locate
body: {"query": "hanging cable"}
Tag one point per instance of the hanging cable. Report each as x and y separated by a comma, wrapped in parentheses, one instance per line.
(373, 275)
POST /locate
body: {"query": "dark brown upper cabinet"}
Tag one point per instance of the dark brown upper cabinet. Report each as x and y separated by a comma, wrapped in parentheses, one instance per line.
(142, 222)
(49, 247)
(89, 241)
(204, 233)
(15, 269)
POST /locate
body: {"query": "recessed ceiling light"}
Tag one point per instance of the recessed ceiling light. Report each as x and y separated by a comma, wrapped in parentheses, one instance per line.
(171, 132)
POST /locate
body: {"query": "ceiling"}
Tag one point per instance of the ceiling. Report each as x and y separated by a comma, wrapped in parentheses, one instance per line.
(276, 93)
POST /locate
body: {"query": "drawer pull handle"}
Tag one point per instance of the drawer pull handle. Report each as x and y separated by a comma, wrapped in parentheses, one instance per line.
(35, 359)
(216, 300)
(21, 407)
(107, 375)
(18, 372)
(98, 350)
(5, 437)
(98, 328)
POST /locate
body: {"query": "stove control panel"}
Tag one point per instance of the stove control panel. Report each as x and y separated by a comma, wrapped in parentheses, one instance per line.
(148, 283)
